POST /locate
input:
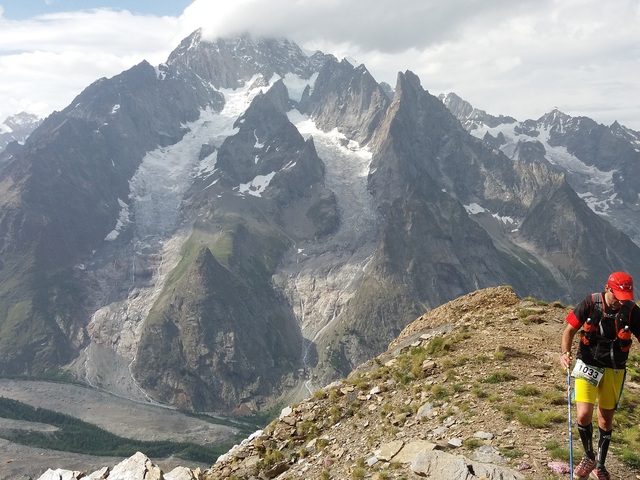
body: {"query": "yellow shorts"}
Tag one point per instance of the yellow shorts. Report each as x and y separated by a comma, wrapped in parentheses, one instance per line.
(608, 392)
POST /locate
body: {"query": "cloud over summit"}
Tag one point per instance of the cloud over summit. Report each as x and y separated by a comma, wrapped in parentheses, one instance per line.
(513, 58)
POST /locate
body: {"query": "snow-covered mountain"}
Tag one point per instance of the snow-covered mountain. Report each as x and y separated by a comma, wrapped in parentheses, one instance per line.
(600, 162)
(245, 223)
(16, 128)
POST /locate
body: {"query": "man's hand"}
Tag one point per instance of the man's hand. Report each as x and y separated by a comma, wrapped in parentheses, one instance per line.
(565, 360)
(567, 339)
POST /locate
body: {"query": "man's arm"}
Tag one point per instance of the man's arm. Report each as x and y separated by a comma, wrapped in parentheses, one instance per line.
(565, 344)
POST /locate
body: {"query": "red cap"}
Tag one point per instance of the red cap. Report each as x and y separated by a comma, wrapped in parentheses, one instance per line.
(622, 285)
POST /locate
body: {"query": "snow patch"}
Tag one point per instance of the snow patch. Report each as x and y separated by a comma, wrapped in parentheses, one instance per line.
(352, 61)
(474, 209)
(296, 84)
(257, 186)
(601, 205)
(337, 140)
(503, 219)
(161, 71)
(212, 184)
(258, 144)
(206, 166)
(123, 220)
(236, 103)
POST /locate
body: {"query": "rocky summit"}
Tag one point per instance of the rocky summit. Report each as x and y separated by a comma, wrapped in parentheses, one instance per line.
(470, 390)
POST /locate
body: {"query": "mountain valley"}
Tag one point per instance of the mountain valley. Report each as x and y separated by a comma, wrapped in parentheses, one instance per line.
(234, 229)
(471, 389)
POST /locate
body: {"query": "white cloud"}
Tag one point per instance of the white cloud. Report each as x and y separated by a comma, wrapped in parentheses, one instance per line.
(515, 58)
(47, 60)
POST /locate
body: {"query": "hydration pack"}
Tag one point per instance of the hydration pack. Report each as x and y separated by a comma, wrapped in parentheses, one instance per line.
(603, 338)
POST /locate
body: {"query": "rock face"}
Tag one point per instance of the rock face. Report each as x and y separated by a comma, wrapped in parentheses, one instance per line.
(205, 343)
(244, 224)
(346, 98)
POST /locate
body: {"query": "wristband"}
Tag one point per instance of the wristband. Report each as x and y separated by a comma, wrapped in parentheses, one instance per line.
(566, 353)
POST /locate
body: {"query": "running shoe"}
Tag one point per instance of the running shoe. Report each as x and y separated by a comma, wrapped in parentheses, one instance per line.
(584, 468)
(600, 473)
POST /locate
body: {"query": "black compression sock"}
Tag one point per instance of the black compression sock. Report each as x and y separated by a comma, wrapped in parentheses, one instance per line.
(604, 438)
(586, 435)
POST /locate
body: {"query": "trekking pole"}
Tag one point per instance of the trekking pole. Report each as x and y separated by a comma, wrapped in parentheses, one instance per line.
(570, 431)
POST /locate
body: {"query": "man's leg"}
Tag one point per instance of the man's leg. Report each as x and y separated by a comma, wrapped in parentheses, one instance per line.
(585, 395)
(609, 392)
(605, 427)
(585, 427)
(605, 418)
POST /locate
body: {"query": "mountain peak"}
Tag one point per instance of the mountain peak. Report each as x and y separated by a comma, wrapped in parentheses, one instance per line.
(555, 116)
(470, 117)
(16, 128)
(229, 62)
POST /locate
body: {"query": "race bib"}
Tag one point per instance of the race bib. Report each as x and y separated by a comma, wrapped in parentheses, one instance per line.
(593, 375)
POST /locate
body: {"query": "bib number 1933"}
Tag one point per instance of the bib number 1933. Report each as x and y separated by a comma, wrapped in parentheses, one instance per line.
(593, 375)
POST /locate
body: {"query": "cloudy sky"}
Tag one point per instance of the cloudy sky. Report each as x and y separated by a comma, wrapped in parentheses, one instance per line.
(520, 58)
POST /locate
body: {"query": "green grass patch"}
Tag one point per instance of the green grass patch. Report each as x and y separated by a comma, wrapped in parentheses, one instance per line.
(499, 355)
(472, 443)
(439, 392)
(494, 398)
(554, 398)
(270, 458)
(556, 450)
(509, 411)
(358, 473)
(539, 419)
(631, 458)
(482, 359)
(511, 453)
(633, 367)
(525, 312)
(527, 391)
(480, 392)
(438, 346)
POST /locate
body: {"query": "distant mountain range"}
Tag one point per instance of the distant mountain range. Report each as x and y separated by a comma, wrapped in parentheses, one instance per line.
(600, 162)
(16, 128)
(244, 223)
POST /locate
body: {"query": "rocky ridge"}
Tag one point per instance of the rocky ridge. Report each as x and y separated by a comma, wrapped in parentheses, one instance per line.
(469, 390)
